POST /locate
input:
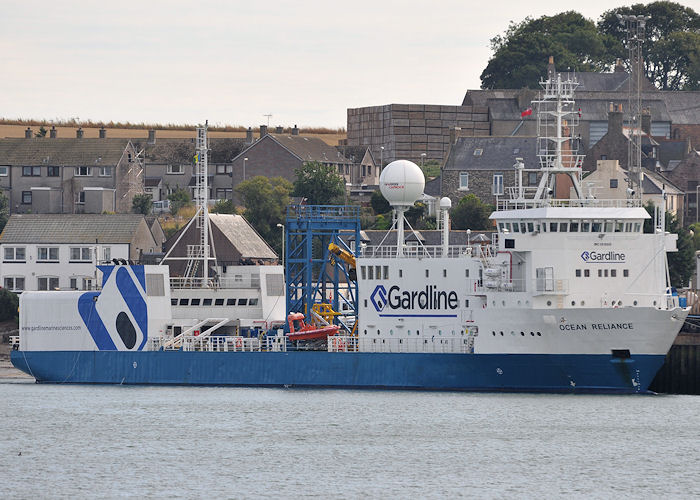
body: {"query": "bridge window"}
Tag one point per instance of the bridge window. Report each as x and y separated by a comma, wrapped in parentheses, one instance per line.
(386, 272)
(195, 302)
(573, 227)
(363, 272)
(219, 302)
(608, 226)
(370, 272)
(530, 227)
(242, 302)
(586, 273)
(563, 227)
(596, 226)
(618, 227)
(184, 302)
(206, 302)
(553, 227)
(252, 302)
(613, 273)
(578, 273)
(585, 226)
(378, 271)
(516, 227)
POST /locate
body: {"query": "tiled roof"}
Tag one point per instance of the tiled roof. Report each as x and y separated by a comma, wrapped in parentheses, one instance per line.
(432, 187)
(181, 151)
(354, 154)
(309, 148)
(497, 153)
(683, 107)
(61, 152)
(68, 228)
(242, 236)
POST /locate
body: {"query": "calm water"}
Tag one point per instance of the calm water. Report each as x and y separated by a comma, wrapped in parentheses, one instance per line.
(101, 441)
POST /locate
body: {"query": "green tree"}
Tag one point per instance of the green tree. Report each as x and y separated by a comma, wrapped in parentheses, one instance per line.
(320, 184)
(9, 302)
(379, 203)
(681, 264)
(265, 202)
(42, 132)
(142, 204)
(520, 55)
(4, 211)
(224, 207)
(178, 199)
(671, 47)
(471, 213)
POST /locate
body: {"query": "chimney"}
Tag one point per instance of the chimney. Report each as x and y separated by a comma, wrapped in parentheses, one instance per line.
(454, 133)
(249, 136)
(28, 133)
(619, 67)
(151, 136)
(279, 129)
(551, 69)
(79, 133)
(263, 131)
(615, 118)
(295, 130)
(53, 133)
(646, 121)
(103, 133)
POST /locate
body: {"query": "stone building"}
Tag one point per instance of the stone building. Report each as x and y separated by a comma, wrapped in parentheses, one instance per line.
(483, 166)
(407, 131)
(279, 155)
(686, 175)
(77, 175)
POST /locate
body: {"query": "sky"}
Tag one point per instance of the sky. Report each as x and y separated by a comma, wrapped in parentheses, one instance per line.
(233, 62)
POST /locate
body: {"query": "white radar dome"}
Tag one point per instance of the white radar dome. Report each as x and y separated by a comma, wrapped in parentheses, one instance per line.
(445, 203)
(402, 183)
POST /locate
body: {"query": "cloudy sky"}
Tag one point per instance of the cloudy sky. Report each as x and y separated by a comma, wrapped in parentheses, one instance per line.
(232, 62)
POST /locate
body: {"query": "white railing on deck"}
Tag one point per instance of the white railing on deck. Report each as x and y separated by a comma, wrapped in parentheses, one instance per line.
(535, 286)
(225, 283)
(515, 204)
(340, 343)
(461, 345)
(430, 251)
(209, 343)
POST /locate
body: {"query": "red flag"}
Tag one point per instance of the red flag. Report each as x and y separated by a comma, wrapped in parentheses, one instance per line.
(525, 113)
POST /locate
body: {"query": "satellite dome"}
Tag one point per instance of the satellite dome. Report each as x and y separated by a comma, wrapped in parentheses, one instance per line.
(402, 183)
(445, 203)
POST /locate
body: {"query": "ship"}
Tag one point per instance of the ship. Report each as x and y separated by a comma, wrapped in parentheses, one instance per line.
(567, 295)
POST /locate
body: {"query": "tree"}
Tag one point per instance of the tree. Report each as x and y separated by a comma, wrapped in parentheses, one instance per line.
(265, 203)
(681, 264)
(471, 213)
(178, 199)
(521, 54)
(671, 48)
(9, 302)
(42, 132)
(4, 211)
(319, 184)
(379, 203)
(224, 207)
(142, 204)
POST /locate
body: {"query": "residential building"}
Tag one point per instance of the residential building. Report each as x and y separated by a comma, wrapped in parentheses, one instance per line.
(70, 176)
(60, 251)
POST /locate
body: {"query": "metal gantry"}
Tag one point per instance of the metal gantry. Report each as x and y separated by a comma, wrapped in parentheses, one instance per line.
(311, 276)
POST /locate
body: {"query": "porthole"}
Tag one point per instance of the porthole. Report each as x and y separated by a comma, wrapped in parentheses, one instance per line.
(654, 302)
(417, 332)
(518, 302)
(532, 334)
(493, 302)
(612, 303)
(365, 332)
(539, 334)
(494, 333)
(583, 302)
(549, 302)
(378, 332)
(619, 303)
(573, 302)
(503, 302)
(522, 334)
(634, 303)
(391, 332)
(440, 332)
(501, 334)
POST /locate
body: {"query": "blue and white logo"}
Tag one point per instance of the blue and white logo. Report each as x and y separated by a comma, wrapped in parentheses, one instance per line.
(378, 298)
(585, 256)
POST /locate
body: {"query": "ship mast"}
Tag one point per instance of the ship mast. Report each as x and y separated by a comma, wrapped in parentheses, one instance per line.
(556, 122)
(201, 195)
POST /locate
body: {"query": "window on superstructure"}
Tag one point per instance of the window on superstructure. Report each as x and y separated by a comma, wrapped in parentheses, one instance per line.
(386, 272)
(596, 227)
(363, 272)
(252, 302)
(370, 272)
(516, 227)
(619, 226)
(444, 273)
(573, 227)
(563, 227)
(553, 226)
(184, 302)
(613, 273)
(206, 302)
(378, 272)
(523, 227)
(427, 273)
(626, 273)
(532, 178)
(613, 183)
(195, 302)
(242, 302)
(467, 272)
(605, 273)
(219, 302)
(600, 273)
(586, 273)
(609, 226)
(637, 227)
(230, 302)
(530, 227)
(585, 227)
(400, 273)
(544, 227)
(578, 273)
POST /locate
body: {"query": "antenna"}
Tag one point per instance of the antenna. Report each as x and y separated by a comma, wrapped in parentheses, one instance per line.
(635, 29)
(269, 115)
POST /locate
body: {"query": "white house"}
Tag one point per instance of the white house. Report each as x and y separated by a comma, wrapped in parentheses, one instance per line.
(60, 251)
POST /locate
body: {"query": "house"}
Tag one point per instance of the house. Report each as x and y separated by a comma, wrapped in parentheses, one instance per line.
(70, 176)
(483, 166)
(280, 155)
(60, 251)
(686, 175)
(609, 181)
(234, 241)
(169, 165)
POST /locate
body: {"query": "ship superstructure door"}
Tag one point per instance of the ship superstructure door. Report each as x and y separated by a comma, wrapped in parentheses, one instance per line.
(545, 279)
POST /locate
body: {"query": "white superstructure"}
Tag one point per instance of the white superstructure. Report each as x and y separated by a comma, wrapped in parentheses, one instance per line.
(560, 276)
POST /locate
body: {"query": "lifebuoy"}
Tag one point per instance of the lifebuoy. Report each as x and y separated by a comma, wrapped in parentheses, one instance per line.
(239, 343)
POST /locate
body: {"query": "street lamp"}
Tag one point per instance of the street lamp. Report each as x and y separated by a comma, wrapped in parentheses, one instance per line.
(244, 160)
(348, 185)
(282, 227)
(422, 159)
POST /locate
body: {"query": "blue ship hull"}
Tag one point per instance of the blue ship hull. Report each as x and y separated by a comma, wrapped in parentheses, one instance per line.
(464, 372)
